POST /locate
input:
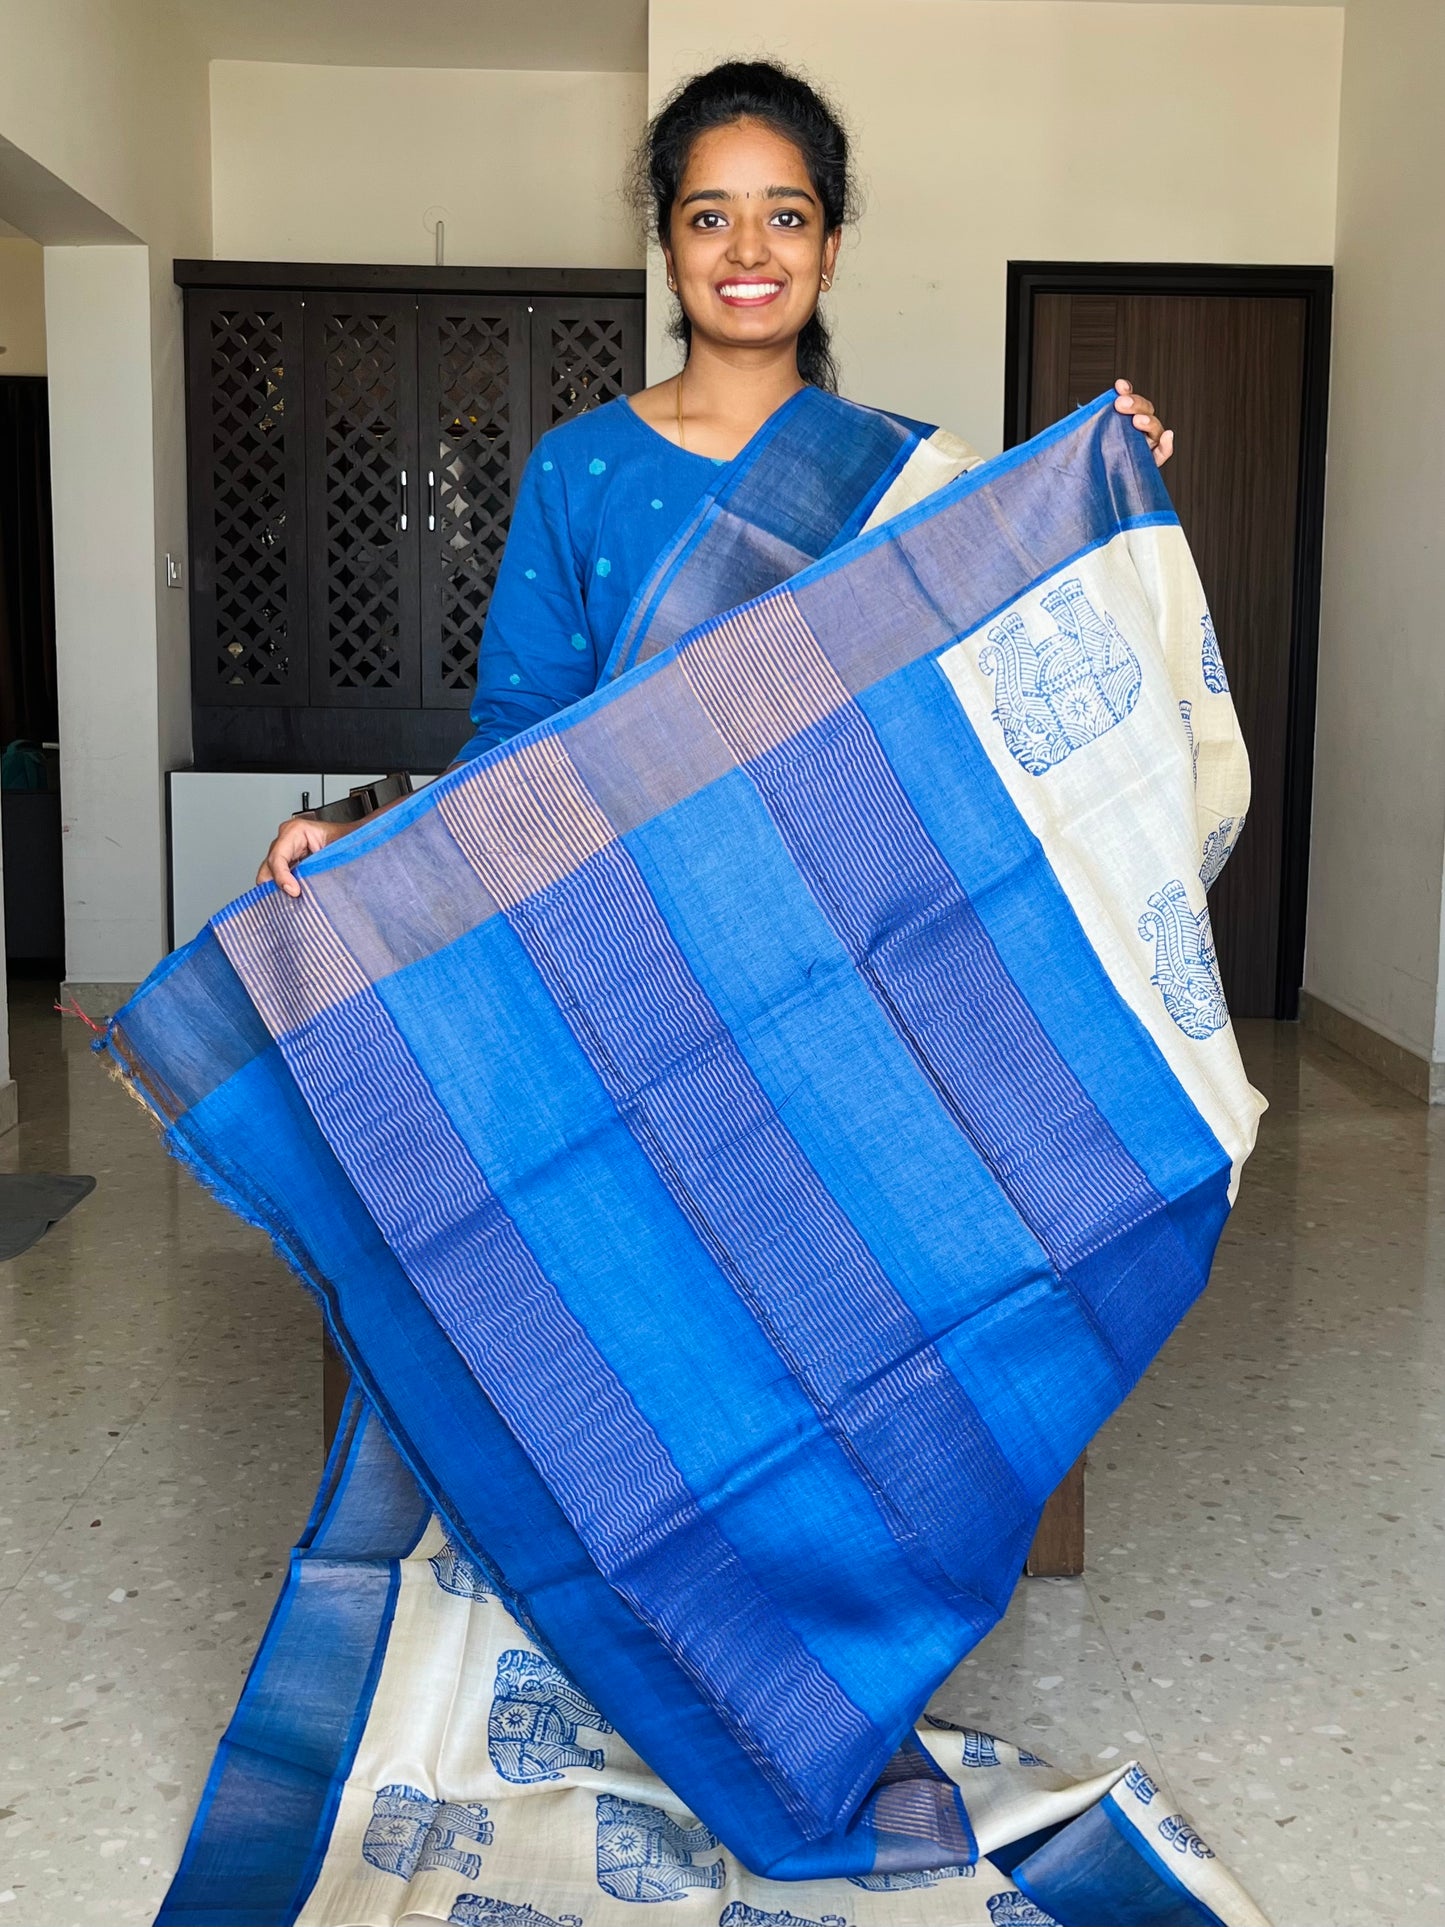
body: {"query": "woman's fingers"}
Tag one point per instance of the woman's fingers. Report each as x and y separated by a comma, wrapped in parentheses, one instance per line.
(274, 866)
(281, 861)
(293, 841)
(1141, 412)
(299, 837)
(1128, 403)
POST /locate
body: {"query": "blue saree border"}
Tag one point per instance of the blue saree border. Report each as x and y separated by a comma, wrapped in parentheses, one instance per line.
(1101, 1866)
(253, 1856)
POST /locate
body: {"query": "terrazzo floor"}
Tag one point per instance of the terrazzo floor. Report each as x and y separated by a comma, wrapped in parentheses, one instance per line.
(1260, 1622)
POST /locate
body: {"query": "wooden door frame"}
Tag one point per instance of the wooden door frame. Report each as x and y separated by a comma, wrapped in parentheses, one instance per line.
(1314, 286)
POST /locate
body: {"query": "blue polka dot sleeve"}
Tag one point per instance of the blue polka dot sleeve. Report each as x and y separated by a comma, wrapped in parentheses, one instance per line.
(537, 652)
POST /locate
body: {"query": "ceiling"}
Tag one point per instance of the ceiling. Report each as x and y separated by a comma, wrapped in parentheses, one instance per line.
(604, 36)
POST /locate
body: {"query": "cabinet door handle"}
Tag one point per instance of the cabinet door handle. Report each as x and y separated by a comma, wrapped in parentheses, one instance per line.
(431, 498)
(403, 501)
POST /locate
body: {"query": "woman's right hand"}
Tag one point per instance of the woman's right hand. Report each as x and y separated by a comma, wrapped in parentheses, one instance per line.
(297, 837)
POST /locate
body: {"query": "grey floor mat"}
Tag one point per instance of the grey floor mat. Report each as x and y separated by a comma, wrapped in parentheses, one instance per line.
(32, 1201)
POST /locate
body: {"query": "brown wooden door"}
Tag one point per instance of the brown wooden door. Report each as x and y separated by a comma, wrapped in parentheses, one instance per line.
(1227, 372)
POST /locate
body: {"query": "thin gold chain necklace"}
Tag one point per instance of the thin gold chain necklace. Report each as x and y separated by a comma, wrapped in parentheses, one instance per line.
(681, 438)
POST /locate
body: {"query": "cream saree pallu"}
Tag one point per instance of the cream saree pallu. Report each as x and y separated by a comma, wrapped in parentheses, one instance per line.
(747, 1133)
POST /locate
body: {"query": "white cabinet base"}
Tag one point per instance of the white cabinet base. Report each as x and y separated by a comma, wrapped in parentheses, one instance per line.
(222, 823)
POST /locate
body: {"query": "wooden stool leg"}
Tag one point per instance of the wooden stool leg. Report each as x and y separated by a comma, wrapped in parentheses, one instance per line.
(1058, 1548)
(335, 1384)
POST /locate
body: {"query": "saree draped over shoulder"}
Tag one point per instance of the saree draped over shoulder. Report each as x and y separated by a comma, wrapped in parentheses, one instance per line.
(747, 1133)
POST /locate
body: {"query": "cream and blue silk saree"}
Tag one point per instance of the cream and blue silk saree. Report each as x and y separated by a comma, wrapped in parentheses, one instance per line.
(747, 1133)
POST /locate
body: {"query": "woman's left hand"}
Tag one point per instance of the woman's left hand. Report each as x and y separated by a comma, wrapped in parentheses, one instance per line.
(1161, 439)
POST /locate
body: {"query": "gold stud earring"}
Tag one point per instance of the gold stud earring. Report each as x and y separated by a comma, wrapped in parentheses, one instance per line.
(672, 285)
(827, 282)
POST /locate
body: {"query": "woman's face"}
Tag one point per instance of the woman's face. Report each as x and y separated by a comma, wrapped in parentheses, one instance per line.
(747, 244)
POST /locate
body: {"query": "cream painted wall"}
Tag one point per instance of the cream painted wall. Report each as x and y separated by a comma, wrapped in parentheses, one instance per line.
(1374, 946)
(22, 307)
(110, 102)
(344, 163)
(110, 96)
(99, 301)
(988, 131)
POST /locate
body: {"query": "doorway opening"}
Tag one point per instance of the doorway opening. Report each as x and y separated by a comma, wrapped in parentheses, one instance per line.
(29, 699)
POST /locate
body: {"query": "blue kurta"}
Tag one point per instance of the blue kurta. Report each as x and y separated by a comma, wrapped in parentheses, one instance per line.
(601, 497)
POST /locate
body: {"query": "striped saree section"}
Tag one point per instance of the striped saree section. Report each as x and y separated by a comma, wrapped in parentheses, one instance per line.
(741, 1135)
(820, 471)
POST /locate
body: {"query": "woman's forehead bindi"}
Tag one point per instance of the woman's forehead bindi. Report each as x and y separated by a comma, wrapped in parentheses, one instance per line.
(772, 193)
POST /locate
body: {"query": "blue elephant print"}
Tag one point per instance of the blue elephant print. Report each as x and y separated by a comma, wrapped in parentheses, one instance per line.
(1212, 663)
(738, 1914)
(1013, 1909)
(644, 1854)
(979, 1749)
(455, 1572)
(1186, 716)
(1053, 697)
(476, 1910)
(409, 1832)
(894, 1883)
(532, 1727)
(1218, 848)
(1140, 1785)
(1177, 1833)
(1185, 967)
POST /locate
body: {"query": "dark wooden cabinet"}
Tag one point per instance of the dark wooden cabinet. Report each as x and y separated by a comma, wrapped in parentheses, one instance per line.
(247, 480)
(475, 403)
(361, 500)
(356, 438)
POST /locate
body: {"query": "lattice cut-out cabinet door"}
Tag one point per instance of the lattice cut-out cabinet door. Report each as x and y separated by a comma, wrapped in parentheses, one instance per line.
(473, 403)
(245, 401)
(586, 350)
(363, 498)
